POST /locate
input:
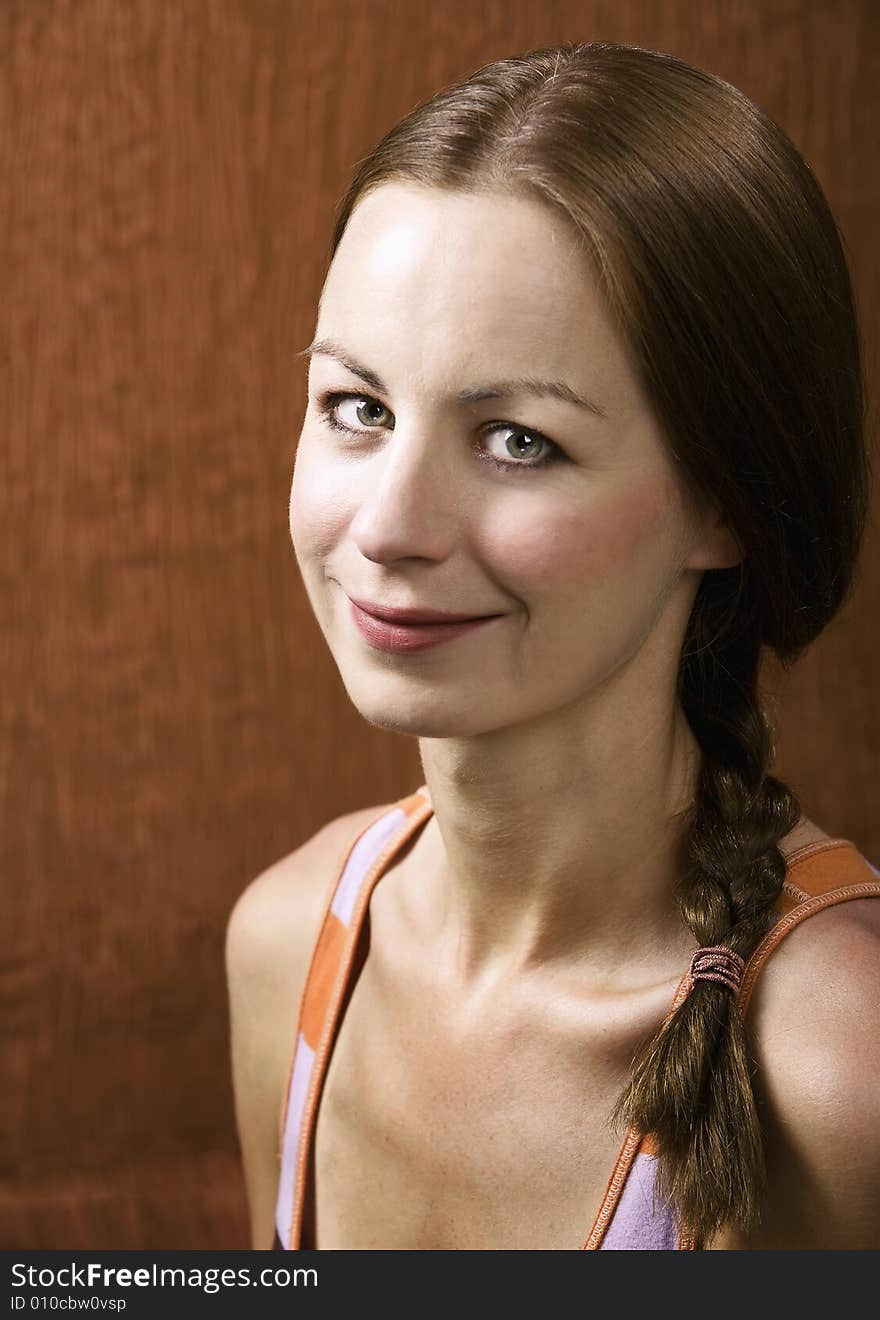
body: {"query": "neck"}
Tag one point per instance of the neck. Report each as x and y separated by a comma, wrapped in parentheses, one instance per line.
(559, 847)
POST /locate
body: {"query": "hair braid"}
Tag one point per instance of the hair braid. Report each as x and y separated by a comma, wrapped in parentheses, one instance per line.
(691, 1086)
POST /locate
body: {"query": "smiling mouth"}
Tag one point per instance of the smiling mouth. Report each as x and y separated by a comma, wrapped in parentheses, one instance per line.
(391, 635)
(413, 615)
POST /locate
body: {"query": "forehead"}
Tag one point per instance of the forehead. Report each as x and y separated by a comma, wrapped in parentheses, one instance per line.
(492, 279)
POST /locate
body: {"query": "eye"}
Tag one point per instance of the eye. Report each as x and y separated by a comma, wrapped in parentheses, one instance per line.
(521, 443)
(328, 408)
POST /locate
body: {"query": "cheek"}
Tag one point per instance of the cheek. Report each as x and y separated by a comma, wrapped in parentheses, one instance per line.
(316, 513)
(605, 540)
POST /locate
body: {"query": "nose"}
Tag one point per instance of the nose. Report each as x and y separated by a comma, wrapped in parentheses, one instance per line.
(412, 498)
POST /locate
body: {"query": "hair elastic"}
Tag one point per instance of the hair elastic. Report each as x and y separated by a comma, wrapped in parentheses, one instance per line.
(718, 963)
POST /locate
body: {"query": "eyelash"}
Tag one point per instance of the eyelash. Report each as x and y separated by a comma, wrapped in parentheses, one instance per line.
(328, 403)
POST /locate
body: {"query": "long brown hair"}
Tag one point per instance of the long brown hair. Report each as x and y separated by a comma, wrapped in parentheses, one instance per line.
(725, 271)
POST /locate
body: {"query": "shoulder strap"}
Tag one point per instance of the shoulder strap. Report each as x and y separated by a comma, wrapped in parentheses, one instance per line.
(817, 876)
(362, 862)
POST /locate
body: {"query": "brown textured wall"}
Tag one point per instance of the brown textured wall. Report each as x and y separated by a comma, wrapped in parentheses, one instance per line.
(167, 191)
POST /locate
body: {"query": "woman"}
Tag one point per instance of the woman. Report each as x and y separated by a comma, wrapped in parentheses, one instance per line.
(586, 372)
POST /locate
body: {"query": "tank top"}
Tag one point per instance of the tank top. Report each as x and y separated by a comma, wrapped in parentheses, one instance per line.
(630, 1216)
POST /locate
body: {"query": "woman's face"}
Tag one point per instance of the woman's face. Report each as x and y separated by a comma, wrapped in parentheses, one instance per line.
(578, 534)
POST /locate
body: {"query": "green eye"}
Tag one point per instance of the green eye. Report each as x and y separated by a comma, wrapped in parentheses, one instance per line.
(328, 406)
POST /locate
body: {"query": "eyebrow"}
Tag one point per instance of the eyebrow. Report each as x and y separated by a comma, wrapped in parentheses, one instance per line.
(502, 389)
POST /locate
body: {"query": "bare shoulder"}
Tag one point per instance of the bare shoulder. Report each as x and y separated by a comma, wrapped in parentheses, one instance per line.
(270, 934)
(281, 908)
(805, 832)
(815, 997)
(815, 1031)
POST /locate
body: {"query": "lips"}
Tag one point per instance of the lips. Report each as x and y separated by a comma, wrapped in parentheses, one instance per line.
(414, 615)
(394, 636)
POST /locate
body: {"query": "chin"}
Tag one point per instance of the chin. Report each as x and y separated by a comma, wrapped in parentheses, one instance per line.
(395, 703)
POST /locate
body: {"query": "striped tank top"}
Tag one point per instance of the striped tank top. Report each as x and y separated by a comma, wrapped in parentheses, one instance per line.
(629, 1217)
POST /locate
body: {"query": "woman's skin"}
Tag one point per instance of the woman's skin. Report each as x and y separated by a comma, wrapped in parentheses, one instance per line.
(551, 739)
(529, 941)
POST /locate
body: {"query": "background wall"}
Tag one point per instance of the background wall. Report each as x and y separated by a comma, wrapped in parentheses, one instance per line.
(167, 190)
